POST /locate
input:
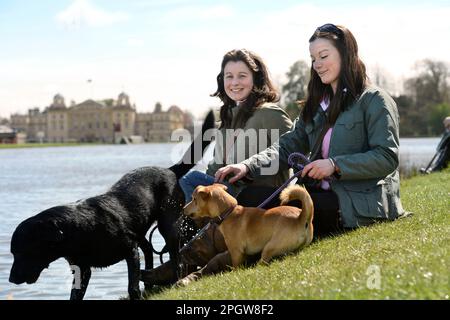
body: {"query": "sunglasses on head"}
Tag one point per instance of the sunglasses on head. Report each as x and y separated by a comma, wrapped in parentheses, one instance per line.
(331, 28)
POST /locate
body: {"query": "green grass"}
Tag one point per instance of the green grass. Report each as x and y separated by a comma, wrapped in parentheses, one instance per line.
(411, 254)
(42, 145)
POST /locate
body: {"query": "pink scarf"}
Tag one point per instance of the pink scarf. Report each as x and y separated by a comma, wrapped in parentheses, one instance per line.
(325, 143)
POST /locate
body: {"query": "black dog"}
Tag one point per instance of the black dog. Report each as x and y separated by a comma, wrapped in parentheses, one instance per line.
(103, 230)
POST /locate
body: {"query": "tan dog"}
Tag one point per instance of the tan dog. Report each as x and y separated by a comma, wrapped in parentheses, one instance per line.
(248, 231)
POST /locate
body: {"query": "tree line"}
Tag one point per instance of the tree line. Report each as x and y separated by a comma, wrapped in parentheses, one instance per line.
(422, 106)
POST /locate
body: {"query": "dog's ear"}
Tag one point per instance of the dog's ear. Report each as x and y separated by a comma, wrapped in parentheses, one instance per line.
(222, 186)
(203, 193)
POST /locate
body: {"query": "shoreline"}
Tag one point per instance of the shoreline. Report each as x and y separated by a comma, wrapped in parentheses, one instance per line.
(77, 144)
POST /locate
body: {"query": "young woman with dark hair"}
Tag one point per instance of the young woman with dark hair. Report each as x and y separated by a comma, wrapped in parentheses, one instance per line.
(250, 121)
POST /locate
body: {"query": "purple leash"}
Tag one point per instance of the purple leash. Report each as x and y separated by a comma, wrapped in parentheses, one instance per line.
(293, 164)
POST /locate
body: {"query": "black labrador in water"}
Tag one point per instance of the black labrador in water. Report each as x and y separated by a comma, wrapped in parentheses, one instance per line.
(103, 230)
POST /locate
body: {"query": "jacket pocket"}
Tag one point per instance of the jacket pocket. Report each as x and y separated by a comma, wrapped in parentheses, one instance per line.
(350, 130)
(368, 198)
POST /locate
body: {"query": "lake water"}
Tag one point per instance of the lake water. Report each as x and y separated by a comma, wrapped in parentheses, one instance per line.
(35, 179)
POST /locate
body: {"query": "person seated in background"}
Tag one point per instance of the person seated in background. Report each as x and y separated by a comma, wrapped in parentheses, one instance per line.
(442, 155)
(447, 124)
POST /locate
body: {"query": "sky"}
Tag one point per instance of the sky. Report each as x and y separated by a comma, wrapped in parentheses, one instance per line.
(169, 51)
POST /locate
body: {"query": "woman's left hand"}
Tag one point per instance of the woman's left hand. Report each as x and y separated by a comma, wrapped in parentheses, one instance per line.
(318, 169)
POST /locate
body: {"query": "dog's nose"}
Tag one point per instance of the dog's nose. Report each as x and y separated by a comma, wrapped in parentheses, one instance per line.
(186, 212)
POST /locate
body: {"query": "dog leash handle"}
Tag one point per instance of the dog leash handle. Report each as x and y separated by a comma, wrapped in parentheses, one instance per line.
(293, 164)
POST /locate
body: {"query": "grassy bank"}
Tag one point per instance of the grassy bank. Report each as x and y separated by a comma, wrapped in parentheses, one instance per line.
(42, 145)
(405, 259)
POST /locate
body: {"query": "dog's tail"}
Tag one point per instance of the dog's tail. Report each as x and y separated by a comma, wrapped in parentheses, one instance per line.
(296, 192)
(194, 154)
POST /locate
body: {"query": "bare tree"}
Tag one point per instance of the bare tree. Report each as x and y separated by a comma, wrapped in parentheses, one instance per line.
(430, 86)
(296, 87)
(428, 89)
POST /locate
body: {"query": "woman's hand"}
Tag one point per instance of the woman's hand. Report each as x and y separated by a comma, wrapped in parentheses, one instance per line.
(238, 170)
(319, 169)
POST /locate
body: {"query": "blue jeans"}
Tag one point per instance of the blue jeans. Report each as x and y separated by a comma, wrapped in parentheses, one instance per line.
(192, 179)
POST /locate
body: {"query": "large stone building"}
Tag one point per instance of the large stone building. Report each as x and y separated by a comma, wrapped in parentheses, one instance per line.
(109, 121)
(158, 125)
(37, 125)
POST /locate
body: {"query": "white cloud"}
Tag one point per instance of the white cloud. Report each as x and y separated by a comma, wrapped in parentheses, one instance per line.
(135, 42)
(199, 13)
(83, 13)
(158, 3)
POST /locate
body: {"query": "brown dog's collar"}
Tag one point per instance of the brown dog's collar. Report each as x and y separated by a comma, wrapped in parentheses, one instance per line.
(224, 215)
(218, 220)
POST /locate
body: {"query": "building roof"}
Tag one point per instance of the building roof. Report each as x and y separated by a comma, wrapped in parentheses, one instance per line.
(6, 129)
(174, 109)
(89, 104)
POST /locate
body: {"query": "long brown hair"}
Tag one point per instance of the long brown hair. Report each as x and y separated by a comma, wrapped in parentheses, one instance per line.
(262, 91)
(352, 78)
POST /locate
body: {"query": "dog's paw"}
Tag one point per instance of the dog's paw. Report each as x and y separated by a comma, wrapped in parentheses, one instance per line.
(263, 262)
(182, 282)
(186, 280)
